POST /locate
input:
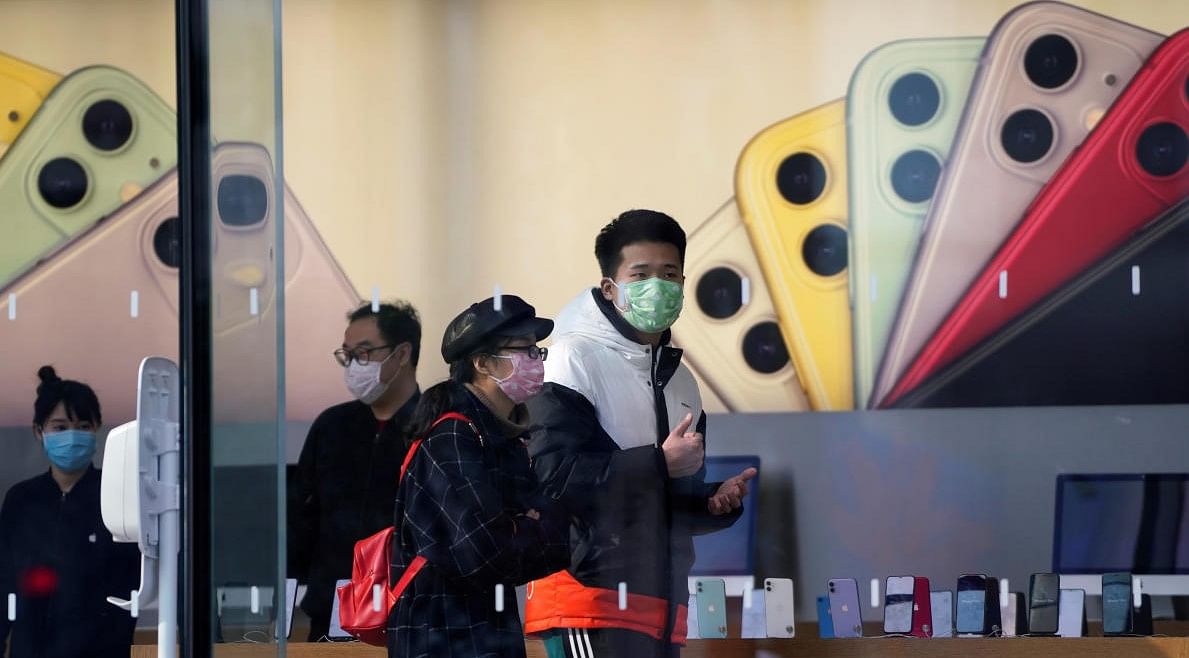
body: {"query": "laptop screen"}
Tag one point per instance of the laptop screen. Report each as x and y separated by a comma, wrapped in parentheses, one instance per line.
(1122, 522)
(730, 552)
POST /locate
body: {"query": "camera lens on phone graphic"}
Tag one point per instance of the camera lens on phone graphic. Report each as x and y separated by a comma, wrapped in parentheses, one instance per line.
(1050, 61)
(914, 99)
(914, 175)
(1027, 136)
(824, 250)
(1162, 149)
(720, 293)
(62, 182)
(242, 200)
(107, 125)
(763, 348)
(801, 178)
(167, 242)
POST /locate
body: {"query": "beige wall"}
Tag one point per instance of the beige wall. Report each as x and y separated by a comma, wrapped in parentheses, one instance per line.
(444, 147)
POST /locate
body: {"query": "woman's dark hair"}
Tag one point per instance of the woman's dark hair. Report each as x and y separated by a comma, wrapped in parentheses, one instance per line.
(78, 398)
(447, 395)
(636, 226)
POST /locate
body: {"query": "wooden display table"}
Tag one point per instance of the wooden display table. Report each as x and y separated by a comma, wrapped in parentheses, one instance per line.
(1024, 647)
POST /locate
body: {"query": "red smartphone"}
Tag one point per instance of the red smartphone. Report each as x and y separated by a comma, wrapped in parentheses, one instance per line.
(922, 608)
(1129, 170)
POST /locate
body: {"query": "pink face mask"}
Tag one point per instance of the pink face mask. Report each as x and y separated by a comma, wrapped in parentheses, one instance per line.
(526, 380)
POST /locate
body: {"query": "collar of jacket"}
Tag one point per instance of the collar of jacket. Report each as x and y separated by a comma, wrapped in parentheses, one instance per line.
(596, 317)
(491, 429)
(510, 428)
(405, 413)
(619, 324)
(50, 484)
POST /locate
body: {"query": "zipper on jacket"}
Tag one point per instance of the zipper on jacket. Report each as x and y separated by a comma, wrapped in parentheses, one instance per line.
(662, 424)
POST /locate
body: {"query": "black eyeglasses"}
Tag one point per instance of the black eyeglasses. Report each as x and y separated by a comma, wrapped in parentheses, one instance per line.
(532, 351)
(361, 355)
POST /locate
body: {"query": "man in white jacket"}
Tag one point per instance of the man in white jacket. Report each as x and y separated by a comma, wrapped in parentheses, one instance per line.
(614, 444)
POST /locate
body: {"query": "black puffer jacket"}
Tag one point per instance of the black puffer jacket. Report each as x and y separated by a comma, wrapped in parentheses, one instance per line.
(608, 403)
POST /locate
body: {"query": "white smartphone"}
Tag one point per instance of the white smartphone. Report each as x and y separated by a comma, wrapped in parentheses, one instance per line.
(942, 606)
(778, 607)
(897, 611)
(1010, 609)
(1071, 621)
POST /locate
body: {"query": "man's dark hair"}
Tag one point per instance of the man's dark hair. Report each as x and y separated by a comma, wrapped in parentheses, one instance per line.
(636, 226)
(398, 322)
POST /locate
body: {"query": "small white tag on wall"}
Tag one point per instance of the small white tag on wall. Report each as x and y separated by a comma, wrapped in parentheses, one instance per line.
(12, 306)
(12, 607)
(875, 600)
(377, 598)
(1003, 592)
(134, 304)
(255, 604)
(623, 596)
(745, 290)
(499, 597)
(375, 299)
(497, 299)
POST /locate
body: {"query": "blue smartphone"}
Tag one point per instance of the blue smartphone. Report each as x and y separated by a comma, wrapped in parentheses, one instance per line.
(972, 605)
(825, 623)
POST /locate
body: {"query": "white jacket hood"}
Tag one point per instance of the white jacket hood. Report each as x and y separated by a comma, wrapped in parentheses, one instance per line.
(591, 357)
(582, 318)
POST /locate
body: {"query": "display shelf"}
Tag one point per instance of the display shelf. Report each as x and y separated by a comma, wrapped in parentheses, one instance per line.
(1089, 647)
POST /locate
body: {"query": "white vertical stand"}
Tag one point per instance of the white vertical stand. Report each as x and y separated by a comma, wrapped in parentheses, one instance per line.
(141, 495)
(167, 565)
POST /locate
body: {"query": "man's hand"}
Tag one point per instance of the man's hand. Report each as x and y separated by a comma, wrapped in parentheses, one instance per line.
(683, 449)
(729, 496)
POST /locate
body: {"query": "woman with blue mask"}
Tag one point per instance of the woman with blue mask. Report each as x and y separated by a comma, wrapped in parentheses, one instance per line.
(56, 556)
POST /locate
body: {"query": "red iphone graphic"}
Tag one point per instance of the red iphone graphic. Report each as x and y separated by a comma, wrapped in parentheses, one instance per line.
(1129, 170)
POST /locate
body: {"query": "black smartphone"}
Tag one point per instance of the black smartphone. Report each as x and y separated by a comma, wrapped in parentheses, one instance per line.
(1142, 619)
(994, 623)
(1044, 595)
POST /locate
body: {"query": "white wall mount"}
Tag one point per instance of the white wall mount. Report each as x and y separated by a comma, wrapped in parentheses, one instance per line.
(140, 494)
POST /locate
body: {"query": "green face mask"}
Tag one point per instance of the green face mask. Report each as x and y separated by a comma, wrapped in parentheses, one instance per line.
(651, 305)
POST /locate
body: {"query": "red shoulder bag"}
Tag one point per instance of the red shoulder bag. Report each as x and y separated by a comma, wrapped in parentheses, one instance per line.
(366, 601)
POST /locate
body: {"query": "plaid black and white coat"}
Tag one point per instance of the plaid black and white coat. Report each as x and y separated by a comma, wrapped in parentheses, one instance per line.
(461, 506)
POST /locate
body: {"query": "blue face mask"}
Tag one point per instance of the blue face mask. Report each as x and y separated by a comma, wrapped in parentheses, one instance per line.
(70, 450)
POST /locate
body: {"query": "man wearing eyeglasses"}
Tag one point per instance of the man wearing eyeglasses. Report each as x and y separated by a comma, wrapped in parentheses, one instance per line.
(347, 474)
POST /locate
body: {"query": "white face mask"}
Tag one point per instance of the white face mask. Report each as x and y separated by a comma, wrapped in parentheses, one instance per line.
(363, 381)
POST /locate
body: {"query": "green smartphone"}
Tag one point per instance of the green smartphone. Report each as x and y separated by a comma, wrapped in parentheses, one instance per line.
(97, 141)
(903, 107)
